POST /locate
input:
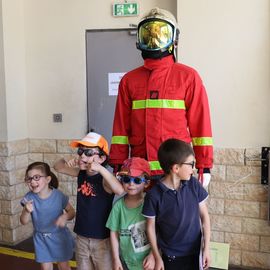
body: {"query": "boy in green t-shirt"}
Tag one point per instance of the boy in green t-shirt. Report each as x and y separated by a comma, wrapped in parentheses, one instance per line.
(130, 246)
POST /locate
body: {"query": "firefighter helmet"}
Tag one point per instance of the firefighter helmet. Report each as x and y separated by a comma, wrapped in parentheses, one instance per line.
(157, 33)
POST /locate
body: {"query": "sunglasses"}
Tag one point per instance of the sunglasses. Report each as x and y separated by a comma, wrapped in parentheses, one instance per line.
(89, 152)
(192, 164)
(136, 180)
(35, 178)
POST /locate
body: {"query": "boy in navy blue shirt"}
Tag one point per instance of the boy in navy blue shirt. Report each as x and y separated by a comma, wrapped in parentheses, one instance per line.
(176, 210)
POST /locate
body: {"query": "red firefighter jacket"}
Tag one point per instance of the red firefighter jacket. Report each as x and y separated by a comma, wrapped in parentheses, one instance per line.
(157, 101)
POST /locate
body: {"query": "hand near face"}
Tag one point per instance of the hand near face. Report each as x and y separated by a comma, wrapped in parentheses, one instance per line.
(94, 166)
(74, 162)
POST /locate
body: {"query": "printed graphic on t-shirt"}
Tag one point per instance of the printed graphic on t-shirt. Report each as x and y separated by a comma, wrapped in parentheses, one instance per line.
(87, 189)
(138, 236)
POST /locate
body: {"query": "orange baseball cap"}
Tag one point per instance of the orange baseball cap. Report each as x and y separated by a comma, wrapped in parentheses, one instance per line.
(93, 139)
(135, 166)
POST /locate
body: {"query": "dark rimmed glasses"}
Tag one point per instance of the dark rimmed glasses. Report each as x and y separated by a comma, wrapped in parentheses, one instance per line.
(89, 152)
(34, 177)
(192, 164)
(128, 179)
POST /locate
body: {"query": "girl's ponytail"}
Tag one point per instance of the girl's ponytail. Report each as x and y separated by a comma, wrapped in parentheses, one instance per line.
(54, 182)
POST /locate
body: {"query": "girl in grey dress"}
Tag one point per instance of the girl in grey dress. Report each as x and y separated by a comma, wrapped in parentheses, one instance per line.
(49, 210)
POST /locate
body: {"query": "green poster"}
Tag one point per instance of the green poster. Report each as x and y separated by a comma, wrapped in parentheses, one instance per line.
(219, 255)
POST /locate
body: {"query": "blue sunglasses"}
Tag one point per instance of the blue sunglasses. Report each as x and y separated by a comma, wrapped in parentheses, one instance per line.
(136, 180)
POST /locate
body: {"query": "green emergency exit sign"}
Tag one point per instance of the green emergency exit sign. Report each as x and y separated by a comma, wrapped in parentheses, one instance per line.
(125, 9)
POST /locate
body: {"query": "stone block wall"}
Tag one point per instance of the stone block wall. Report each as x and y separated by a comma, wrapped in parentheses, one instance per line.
(237, 202)
(238, 206)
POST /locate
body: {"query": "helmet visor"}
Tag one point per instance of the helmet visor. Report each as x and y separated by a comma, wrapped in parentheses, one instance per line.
(155, 35)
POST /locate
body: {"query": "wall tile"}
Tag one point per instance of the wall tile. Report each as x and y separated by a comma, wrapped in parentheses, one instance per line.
(235, 257)
(255, 227)
(255, 192)
(256, 259)
(242, 241)
(253, 156)
(229, 156)
(63, 146)
(217, 236)
(42, 146)
(243, 174)
(215, 206)
(226, 223)
(265, 244)
(7, 163)
(242, 208)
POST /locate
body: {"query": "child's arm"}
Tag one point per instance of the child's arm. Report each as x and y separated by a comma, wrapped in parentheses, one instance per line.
(67, 215)
(114, 238)
(26, 212)
(65, 167)
(151, 233)
(110, 183)
(206, 234)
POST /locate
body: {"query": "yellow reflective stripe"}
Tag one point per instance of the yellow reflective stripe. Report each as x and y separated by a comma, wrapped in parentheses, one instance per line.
(25, 255)
(154, 165)
(138, 104)
(158, 103)
(202, 141)
(119, 139)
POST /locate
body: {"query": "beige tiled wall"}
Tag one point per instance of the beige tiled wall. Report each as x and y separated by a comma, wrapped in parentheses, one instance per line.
(237, 201)
(238, 207)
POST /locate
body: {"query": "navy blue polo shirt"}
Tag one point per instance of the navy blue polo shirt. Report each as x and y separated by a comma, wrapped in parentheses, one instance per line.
(177, 216)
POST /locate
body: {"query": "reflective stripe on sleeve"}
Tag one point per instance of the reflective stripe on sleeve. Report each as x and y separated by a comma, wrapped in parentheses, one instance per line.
(119, 139)
(202, 141)
(158, 103)
(154, 165)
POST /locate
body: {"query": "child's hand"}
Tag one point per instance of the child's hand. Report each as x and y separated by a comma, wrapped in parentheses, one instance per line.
(29, 207)
(61, 221)
(117, 265)
(149, 262)
(94, 166)
(74, 162)
(159, 264)
(206, 259)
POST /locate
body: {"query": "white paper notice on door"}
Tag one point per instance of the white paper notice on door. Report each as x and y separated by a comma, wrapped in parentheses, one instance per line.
(113, 82)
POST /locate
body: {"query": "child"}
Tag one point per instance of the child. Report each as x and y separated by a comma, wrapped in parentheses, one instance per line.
(126, 222)
(95, 193)
(45, 204)
(175, 209)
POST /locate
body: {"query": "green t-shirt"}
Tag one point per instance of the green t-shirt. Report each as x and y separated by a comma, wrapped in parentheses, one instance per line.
(131, 227)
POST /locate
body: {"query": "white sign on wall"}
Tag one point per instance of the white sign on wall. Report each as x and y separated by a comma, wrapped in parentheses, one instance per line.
(113, 82)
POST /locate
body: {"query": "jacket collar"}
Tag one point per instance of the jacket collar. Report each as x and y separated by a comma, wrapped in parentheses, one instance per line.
(162, 63)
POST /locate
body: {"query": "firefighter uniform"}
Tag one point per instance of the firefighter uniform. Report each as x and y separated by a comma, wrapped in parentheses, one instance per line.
(158, 101)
